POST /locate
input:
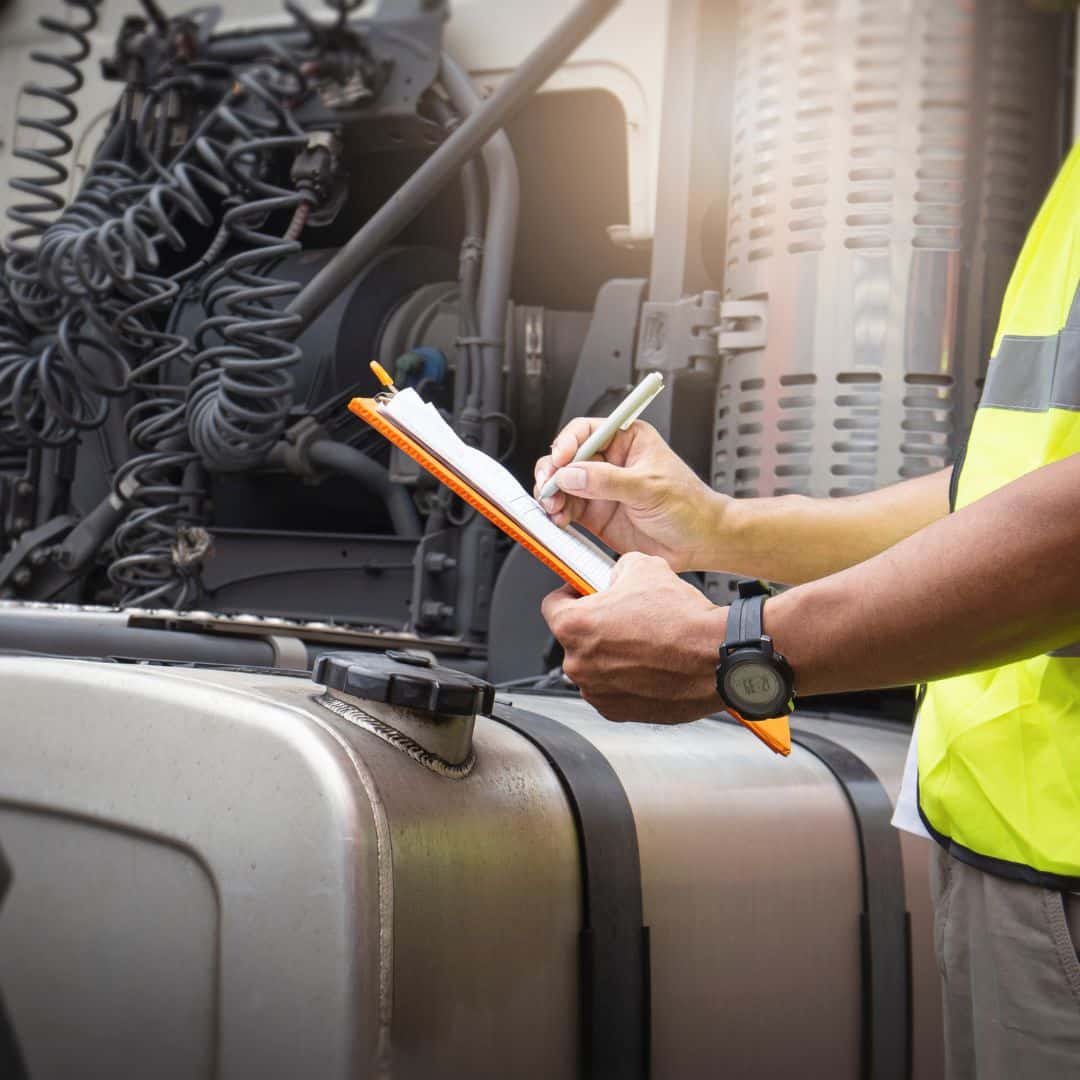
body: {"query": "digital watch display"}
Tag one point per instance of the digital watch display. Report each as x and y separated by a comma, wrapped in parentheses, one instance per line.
(752, 677)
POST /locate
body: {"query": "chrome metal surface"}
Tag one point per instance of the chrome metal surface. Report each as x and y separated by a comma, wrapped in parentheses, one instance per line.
(210, 865)
(886, 161)
(441, 744)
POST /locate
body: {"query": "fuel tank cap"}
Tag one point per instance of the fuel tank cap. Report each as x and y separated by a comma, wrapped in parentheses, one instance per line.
(408, 681)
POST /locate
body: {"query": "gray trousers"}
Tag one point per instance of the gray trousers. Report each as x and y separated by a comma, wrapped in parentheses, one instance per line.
(1010, 974)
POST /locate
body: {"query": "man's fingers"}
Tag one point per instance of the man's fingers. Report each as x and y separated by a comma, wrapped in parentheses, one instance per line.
(599, 480)
(556, 603)
(571, 438)
(555, 504)
(568, 441)
(635, 564)
(567, 510)
(542, 471)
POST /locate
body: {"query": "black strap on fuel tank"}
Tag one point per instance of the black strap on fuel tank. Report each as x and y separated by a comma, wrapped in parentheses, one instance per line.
(885, 924)
(614, 956)
(12, 1066)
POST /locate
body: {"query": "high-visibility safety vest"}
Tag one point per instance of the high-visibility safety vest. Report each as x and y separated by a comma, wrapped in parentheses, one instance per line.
(999, 750)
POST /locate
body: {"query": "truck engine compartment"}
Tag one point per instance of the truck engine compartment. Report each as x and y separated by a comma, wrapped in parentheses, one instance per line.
(180, 441)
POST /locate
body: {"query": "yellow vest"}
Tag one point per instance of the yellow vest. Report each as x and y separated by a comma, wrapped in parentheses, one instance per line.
(999, 750)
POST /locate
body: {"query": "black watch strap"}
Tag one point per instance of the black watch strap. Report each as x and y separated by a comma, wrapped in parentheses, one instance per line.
(744, 624)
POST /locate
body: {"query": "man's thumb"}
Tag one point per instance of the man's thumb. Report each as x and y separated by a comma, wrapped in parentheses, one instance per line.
(600, 480)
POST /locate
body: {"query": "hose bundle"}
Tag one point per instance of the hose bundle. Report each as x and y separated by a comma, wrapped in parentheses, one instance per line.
(182, 426)
(242, 385)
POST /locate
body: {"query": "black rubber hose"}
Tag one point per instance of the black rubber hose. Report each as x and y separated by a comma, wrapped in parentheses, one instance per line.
(447, 160)
(470, 372)
(337, 457)
(500, 241)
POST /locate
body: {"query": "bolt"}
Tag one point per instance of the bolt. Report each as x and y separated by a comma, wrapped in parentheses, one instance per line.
(21, 577)
(434, 611)
(20, 524)
(438, 562)
(24, 488)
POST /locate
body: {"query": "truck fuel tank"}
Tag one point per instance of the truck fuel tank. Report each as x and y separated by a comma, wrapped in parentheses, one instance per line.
(241, 873)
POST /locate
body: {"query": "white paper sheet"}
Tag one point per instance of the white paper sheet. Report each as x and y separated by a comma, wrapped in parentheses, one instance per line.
(425, 424)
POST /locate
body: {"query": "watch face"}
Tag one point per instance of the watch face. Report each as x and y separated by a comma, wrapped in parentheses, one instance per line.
(755, 686)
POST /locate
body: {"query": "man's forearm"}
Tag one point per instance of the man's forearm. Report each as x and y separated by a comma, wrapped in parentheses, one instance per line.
(795, 539)
(997, 581)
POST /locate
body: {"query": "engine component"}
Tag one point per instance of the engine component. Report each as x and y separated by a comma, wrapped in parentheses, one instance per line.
(174, 304)
(880, 218)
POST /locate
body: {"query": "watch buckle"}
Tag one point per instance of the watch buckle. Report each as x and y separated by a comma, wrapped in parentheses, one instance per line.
(751, 587)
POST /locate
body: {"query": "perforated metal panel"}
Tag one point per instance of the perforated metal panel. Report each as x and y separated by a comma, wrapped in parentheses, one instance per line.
(886, 161)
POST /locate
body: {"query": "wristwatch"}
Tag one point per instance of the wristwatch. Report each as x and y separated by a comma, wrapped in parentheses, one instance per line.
(752, 677)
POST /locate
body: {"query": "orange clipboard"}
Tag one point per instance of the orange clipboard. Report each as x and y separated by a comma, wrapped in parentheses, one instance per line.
(368, 409)
(775, 734)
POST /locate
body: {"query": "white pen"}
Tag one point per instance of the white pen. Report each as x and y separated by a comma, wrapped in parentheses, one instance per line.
(626, 412)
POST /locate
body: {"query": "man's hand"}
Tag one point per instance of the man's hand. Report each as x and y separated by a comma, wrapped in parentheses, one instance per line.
(645, 648)
(639, 495)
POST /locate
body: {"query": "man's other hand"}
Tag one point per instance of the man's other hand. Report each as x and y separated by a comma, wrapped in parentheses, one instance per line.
(645, 648)
(639, 495)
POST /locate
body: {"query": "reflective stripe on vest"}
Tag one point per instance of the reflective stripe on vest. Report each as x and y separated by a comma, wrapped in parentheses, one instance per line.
(999, 750)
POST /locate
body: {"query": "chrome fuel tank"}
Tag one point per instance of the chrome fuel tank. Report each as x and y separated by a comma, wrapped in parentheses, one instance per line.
(215, 873)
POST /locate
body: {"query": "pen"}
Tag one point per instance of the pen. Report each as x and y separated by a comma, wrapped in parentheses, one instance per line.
(626, 412)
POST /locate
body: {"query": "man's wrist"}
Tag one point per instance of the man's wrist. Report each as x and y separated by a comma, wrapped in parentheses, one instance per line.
(722, 518)
(806, 624)
(708, 635)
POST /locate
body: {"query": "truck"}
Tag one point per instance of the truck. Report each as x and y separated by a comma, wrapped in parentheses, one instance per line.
(291, 780)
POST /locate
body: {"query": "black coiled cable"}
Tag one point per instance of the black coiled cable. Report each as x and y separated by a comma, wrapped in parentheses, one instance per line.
(92, 277)
(156, 560)
(37, 305)
(242, 385)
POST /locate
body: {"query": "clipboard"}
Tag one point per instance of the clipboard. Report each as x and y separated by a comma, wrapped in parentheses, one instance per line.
(368, 410)
(775, 734)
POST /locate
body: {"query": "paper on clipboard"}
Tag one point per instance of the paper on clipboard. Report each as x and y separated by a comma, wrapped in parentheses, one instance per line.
(422, 422)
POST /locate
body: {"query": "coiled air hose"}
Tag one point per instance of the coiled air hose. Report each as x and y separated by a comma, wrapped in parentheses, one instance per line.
(234, 407)
(37, 305)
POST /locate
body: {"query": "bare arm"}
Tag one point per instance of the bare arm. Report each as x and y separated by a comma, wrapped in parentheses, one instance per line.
(794, 539)
(639, 496)
(997, 581)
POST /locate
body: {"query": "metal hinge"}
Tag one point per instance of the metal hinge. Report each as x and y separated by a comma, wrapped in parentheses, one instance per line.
(744, 325)
(674, 335)
(703, 327)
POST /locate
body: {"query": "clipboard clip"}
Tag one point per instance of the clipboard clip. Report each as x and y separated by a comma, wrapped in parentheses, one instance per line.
(389, 389)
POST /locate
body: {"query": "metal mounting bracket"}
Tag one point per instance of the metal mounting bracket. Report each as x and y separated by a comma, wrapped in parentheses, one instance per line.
(703, 327)
(674, 335)
(743, 326)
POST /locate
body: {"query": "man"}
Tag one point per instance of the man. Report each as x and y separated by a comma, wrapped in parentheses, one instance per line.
(891, 588)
